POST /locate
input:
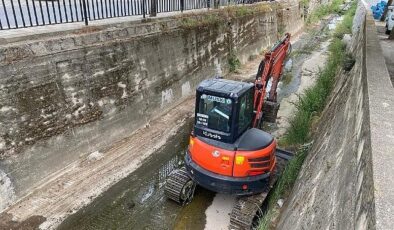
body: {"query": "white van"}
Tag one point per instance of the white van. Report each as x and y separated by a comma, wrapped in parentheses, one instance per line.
(390, 19)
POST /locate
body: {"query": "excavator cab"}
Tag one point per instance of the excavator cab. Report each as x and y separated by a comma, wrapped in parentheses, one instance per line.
(224, 109)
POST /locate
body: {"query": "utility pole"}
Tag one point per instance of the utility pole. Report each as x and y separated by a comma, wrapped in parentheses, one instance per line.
(389, 3)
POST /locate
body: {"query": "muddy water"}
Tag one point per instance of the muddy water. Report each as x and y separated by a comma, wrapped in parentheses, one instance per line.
(138, 201)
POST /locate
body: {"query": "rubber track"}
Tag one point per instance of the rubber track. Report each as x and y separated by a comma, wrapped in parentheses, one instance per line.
(244, 211)
(174, 184)
(248, 207)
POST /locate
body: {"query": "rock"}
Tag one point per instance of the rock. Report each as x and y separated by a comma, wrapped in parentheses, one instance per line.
(289, 65)
(95, 156)
(347, 38)
(332, 26)
(280, 203)
(7, 193)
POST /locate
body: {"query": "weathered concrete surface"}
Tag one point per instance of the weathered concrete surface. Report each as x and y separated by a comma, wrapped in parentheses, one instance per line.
(381, 113)
(346, 182)
(6, 190)
(79, 183)
(64, 97)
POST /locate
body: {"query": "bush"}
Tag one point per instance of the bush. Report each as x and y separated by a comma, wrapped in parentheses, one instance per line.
(314, 98)
(346, 26)
(324, 10)
(233, 62)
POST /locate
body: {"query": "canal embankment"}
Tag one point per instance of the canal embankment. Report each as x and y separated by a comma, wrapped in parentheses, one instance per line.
(343, 182)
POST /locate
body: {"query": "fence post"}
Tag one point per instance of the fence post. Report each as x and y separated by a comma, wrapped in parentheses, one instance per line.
(153, 8)
(216, 4)
(182, 5)
(85, 15)
(143, 8)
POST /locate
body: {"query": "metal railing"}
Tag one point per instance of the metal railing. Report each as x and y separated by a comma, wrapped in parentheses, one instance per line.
(16, 14)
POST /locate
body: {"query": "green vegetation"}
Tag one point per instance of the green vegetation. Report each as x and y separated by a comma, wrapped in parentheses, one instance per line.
(309, 107)
(346, 26)
(286, 78)
(313, 101)
(233, 62)
(200, 22)
(219, 17)
(240, 11)
(284, 184)
(324, 10)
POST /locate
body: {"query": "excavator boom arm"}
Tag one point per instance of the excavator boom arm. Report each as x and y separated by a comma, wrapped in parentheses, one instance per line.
(270, 67)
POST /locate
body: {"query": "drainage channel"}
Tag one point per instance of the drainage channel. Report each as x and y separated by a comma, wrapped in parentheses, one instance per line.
(138, 201)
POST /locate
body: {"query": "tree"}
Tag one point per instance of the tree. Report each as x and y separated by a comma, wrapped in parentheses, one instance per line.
(389, 3)
(391, 37)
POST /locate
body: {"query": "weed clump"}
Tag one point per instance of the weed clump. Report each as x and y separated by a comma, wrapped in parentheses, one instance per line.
(314, 99)
(324, 10)
(233, 62)
(201, 22)
(346, 26)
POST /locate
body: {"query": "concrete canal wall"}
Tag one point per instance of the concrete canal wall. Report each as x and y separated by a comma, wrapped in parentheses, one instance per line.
(346, 182)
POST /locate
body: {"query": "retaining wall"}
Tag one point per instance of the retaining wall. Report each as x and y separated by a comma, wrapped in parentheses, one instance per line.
(345, 181)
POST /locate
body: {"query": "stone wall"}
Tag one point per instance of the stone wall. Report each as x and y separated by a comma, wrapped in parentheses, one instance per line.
(66, 94)
(345, 181)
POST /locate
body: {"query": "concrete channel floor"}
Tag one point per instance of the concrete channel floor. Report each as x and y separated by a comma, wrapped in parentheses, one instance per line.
(387, 48)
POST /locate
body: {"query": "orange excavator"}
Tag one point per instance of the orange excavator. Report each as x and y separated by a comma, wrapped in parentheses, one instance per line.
(227, 151)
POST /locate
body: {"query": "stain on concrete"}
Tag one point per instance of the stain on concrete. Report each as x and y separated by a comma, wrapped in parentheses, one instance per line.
(32, 223)
(7, 193)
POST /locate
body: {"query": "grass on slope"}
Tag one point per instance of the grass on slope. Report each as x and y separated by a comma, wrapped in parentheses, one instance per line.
(310, 105)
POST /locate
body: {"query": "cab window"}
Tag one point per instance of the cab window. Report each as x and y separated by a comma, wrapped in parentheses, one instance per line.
(245, 112)
(214, 112)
